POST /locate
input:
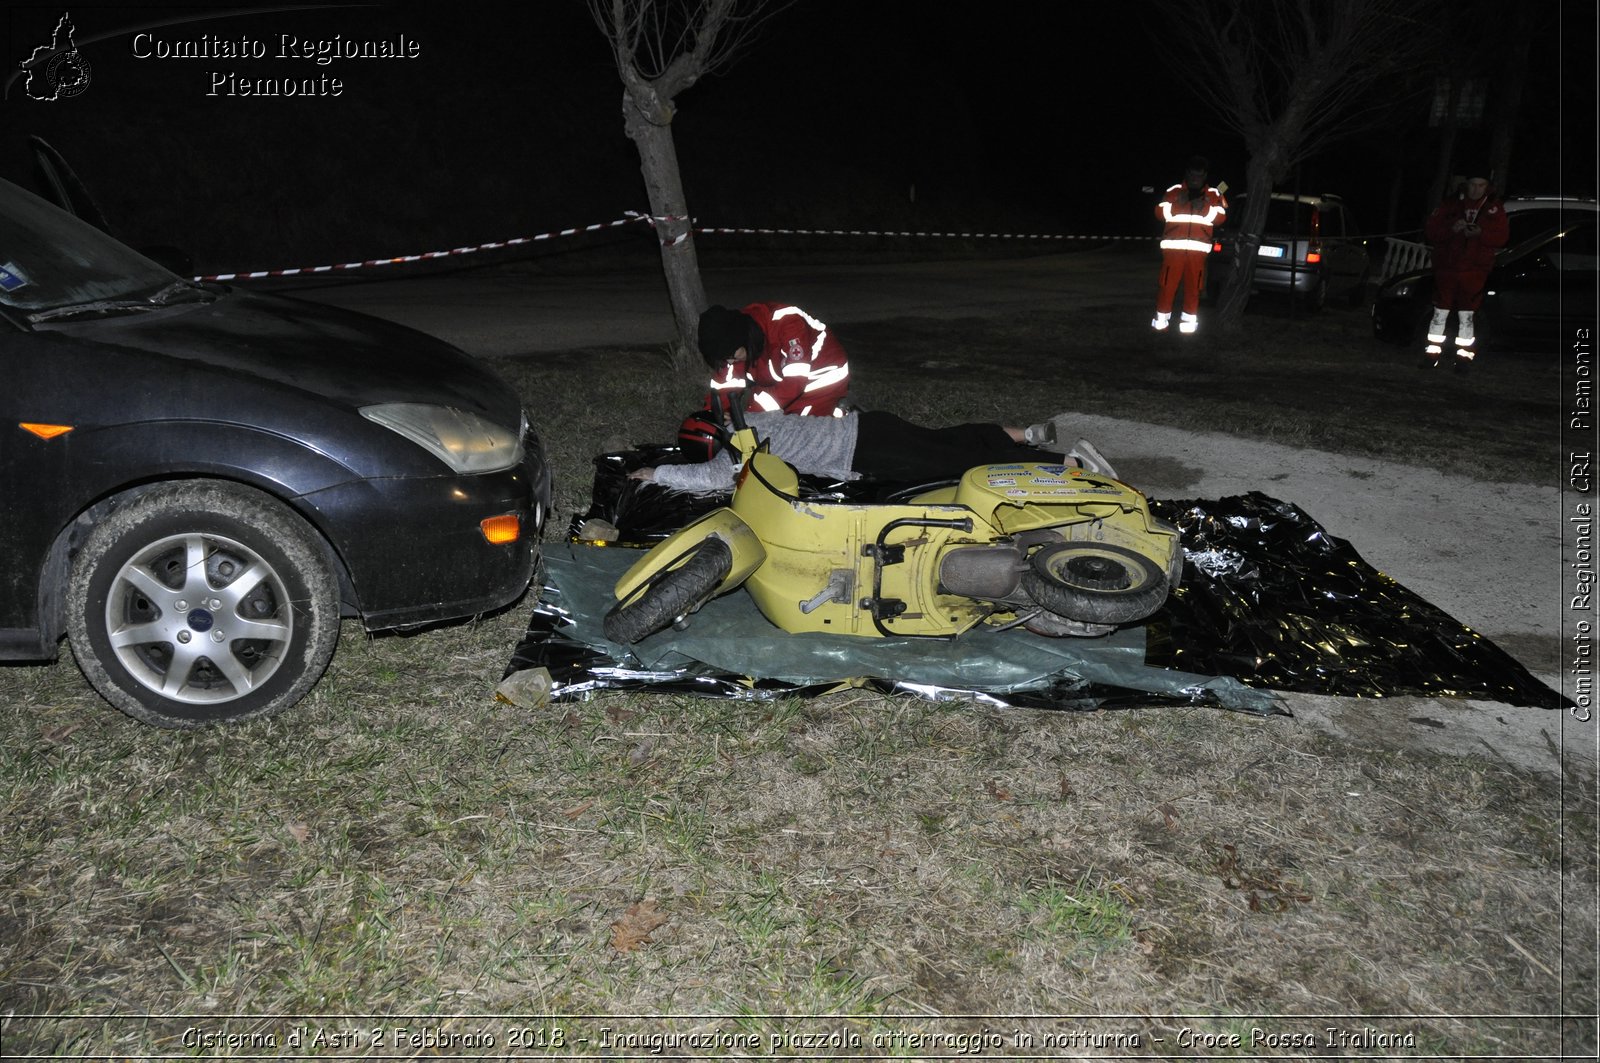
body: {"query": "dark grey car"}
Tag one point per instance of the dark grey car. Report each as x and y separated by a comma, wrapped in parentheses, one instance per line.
(200, 481)
(1310, 246)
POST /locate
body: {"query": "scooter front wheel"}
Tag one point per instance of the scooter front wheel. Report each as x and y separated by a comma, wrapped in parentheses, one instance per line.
(671, 593)
(1097, 583)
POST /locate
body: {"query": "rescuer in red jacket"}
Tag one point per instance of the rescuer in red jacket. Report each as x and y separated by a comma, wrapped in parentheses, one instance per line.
(788, 359)
(1189, 211)
(1465, 232)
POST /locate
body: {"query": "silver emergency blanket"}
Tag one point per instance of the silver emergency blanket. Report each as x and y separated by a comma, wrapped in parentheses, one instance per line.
(1268, 601)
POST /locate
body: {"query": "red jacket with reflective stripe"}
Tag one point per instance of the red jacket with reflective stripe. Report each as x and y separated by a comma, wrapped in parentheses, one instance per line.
(802, 368)
(1189, 223)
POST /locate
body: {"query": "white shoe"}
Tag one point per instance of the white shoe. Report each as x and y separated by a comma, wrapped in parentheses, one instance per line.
(1091, 460)
(1047, 435)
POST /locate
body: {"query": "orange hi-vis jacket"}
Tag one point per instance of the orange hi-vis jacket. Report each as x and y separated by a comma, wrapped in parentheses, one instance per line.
(1188, 224)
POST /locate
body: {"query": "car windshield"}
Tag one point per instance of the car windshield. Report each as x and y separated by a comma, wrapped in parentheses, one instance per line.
(1572, 248)
(50, 259)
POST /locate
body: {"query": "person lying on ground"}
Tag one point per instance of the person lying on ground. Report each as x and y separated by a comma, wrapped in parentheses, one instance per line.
(872, 444)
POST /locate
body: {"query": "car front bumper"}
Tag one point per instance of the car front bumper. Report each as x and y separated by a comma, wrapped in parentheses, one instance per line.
(414, 548)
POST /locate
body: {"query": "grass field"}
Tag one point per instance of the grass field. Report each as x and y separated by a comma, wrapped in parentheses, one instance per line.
(923, 880)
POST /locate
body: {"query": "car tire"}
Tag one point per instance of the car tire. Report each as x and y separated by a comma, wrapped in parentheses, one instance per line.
(1317, 298)
(671, 594)
(203, 565)
(1095, 583)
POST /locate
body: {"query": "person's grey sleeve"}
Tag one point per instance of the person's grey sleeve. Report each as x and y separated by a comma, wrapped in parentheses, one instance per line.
(702, 479)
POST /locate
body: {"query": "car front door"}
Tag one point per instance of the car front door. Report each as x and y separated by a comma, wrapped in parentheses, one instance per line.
(1537, 295)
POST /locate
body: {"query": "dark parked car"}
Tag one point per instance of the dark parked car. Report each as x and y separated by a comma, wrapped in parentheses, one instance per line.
(200, 481)
(1310, 246)
(1535, 287)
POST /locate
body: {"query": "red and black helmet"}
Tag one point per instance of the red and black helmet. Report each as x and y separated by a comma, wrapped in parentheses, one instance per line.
(700, 436)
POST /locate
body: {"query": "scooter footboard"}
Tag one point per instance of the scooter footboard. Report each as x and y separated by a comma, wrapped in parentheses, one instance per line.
(724, 524)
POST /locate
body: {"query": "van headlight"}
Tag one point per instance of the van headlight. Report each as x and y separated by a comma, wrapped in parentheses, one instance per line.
(464, 441)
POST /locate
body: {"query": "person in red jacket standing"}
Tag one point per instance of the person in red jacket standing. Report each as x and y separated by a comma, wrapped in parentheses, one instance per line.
(1465, 232)
(1189, 212)
(788, 359)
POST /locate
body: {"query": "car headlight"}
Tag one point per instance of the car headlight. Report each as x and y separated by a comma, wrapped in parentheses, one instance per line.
(464, 441)
(1400, 291)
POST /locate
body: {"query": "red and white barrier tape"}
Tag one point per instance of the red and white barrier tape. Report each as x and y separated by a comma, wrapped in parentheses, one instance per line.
(493, 245)
(654, 222)
(953, 236)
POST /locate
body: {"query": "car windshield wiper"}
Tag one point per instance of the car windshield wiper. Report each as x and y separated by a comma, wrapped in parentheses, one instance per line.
(171, 294)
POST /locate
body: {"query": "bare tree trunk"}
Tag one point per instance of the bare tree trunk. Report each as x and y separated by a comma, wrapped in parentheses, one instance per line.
(1447, 144)
(1513, 75)
(658, 162)
(1259, 180)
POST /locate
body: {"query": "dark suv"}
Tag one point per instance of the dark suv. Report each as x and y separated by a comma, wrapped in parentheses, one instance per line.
(1310, 246)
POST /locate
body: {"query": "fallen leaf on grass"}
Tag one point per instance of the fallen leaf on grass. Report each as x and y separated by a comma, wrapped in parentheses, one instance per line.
(56, 735)
(636, 925)
(620, 715)
(578, 810)
(1169, 814)
(1066, 786)
(299, 832)
(1279, 894)
(996, 791)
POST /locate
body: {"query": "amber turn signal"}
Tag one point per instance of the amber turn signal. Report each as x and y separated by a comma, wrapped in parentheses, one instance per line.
(502, 529)
(45, 431)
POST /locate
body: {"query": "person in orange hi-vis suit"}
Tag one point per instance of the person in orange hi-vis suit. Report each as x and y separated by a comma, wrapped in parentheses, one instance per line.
(1190, 211)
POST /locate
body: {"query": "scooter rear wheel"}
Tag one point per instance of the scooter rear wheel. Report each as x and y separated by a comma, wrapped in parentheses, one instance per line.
(1096, 583)
(672, 593)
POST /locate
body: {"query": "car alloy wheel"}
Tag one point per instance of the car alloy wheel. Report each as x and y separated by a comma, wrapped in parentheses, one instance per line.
(200, 603)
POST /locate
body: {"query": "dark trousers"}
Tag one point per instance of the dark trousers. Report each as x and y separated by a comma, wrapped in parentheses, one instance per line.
(892, 448)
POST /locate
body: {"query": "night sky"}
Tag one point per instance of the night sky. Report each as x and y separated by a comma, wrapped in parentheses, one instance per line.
(1038, 117)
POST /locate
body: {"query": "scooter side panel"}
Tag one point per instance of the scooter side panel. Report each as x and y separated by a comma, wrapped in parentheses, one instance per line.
(814, 546)
(1079, 505)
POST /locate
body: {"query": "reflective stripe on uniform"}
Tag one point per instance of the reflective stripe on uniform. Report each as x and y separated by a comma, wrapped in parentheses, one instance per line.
(827, 377)
(1208, 218)
(767, 403)
(1203, 246)
(821, 329)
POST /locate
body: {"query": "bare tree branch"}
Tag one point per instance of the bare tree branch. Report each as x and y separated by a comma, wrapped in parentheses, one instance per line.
(661, 47)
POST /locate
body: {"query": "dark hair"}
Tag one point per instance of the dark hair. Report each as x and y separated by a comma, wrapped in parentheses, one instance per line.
(724, 331)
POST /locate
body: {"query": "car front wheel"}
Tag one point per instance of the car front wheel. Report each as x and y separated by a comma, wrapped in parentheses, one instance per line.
(200, 603)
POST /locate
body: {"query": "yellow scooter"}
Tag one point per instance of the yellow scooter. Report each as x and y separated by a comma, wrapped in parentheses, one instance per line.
(1054, 548)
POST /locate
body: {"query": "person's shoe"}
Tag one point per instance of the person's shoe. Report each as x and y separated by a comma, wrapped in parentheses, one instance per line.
(1091, 460)
(1047, 434)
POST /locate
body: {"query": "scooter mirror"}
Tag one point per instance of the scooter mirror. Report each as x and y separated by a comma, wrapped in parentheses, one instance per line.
(735, 412)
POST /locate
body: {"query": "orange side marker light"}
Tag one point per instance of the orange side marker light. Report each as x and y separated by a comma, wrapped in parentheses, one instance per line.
(502, 529)
(45, 431)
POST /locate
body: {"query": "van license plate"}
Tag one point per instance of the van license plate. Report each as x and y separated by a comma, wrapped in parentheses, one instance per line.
(1270, 251)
